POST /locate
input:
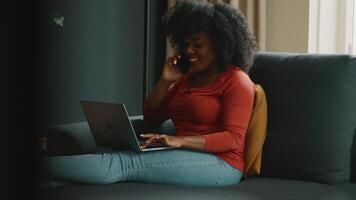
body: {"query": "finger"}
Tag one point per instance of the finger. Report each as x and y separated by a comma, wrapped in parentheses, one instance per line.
(163, 140)
(149, 142)
(152, 139)
(169, 60)
(142, 146)
(177, 56)
(162, 136)
(147, 135)
(175, 59)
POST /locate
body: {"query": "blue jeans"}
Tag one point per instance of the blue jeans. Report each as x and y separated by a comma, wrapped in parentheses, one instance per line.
(174, 166)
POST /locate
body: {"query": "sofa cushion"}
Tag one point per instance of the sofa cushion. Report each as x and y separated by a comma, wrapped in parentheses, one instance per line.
(252, 189)
(255, 134)
(311, 115)
(69, 139)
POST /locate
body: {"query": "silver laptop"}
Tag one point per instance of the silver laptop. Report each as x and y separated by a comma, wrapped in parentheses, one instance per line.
(110, 126)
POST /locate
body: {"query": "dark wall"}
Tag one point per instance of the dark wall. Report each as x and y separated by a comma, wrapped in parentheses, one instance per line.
(96, 55)
(157, 50)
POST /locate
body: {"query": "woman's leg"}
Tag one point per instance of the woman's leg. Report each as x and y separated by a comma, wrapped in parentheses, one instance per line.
(175, 166)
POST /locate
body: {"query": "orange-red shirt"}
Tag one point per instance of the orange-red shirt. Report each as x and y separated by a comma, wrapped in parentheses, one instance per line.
(219, 111)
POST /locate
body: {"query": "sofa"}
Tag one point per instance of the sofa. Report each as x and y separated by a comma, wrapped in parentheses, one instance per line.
(309, 151)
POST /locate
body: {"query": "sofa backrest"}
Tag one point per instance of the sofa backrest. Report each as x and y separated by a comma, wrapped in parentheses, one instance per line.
(311, 102)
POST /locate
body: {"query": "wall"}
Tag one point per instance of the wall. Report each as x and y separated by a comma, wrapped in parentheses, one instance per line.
(96, 55)
(287, 25)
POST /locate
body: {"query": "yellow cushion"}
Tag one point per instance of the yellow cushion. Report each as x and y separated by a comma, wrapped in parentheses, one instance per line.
(256, 134)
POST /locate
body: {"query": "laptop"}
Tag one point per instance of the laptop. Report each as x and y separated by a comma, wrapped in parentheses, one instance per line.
(111, 127)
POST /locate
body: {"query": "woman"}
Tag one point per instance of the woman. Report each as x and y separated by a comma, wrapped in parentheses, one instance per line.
(210, 106)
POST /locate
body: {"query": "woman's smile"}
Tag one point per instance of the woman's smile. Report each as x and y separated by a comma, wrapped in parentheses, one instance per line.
(200, 52)
(193, 60)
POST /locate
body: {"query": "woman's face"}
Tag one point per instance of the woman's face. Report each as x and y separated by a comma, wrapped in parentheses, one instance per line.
(200, 52)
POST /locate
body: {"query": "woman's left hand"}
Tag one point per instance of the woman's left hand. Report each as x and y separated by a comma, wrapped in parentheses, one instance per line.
(168, 140)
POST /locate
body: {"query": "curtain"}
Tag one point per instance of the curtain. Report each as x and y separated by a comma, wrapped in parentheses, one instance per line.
(255, 15)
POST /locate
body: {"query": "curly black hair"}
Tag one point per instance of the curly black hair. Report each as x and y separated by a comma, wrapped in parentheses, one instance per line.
(233, 42)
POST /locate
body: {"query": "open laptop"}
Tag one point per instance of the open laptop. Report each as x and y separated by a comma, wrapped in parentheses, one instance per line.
(111, 127)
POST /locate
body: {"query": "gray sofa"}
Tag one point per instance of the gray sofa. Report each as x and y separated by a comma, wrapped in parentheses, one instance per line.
(309, 152)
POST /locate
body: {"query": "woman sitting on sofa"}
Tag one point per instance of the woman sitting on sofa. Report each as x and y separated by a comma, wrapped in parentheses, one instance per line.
(209, 98)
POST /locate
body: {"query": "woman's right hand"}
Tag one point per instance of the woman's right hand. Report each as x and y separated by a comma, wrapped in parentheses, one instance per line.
(171, 71)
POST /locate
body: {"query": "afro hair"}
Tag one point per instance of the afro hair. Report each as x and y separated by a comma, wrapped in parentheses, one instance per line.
(233, 42)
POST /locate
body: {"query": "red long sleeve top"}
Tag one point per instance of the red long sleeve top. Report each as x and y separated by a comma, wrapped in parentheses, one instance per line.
(219, 111)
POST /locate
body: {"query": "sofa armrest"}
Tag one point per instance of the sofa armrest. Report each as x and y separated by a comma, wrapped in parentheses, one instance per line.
(76, 138)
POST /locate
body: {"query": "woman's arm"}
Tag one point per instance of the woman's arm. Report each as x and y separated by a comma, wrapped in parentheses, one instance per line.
(193, 142)
(155, 108)
(160, 90)
(170, 74)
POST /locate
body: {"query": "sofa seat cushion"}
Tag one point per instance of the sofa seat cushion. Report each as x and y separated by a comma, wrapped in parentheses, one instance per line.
(251, 189)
